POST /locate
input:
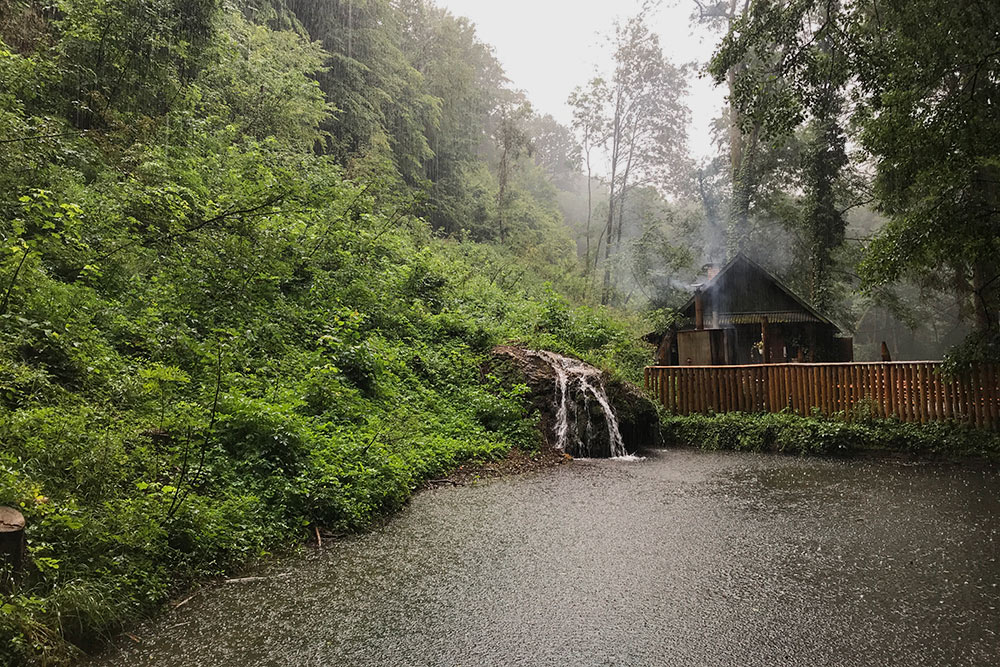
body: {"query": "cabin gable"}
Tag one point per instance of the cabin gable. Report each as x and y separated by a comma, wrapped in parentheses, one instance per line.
(745, 315)
(743, 292)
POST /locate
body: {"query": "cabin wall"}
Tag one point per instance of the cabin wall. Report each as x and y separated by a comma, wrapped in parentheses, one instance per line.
(703, 347)
(740, 345)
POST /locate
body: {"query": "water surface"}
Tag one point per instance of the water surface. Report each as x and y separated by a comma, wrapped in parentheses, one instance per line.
(686, 558)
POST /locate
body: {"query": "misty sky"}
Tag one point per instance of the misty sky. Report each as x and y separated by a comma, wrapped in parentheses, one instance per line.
(549, 47)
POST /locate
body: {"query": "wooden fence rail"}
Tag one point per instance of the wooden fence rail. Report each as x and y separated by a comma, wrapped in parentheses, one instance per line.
(911, 391)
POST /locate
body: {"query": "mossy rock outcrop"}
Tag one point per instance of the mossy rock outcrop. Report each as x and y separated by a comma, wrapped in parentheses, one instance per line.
(585, 427)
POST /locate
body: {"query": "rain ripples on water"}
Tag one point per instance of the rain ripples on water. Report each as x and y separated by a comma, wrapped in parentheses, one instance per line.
(685, 558)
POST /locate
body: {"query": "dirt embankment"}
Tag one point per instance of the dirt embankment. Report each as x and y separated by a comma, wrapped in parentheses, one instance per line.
(517, 462)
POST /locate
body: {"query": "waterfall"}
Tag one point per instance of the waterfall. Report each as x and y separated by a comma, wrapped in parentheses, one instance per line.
(577, 380)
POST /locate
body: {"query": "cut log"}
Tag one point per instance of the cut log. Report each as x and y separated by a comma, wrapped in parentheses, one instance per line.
(11, 547)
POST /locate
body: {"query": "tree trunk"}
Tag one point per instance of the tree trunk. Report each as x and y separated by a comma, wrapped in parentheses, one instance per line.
(985, 276)
(744, 184)
(590, 211)
(616, 145)
(502, 193)
(623, 190)
(606, 291)
(715, 248)
(984, 292)
(742, 154)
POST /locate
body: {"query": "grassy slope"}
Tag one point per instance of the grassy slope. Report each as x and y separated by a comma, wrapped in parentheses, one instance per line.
(199, 398)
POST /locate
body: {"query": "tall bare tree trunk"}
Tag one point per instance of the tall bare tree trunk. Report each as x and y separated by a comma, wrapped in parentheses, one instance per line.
(616, 146)
(623, 191)
(590, 206)
(502, 192)
(742, 156)
(715, 247)
(609, 230)
(744, 184)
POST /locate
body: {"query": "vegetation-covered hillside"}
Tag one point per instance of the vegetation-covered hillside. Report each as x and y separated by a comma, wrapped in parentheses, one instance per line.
(243, 287)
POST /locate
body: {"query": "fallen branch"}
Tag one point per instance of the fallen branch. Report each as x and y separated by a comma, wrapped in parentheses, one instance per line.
(13, 281)
(270, 201)
(186, 600)
(343, 216)
(247, 580)
(77, 133)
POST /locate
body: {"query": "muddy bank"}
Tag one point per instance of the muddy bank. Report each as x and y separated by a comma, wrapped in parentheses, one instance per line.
(517, 462)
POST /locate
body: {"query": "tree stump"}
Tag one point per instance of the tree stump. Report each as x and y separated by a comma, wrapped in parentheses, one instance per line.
(11, 547)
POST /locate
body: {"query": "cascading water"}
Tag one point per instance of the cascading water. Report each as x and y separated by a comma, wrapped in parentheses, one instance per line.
(576, 381)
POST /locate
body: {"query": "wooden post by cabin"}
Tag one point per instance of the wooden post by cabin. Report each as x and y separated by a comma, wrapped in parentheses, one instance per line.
(885, 399)
(921, 393)
(11, 548)
(991, 395)
(665, 348)
(699, 311)
(911, 394)
(975, 385)
(765, 341)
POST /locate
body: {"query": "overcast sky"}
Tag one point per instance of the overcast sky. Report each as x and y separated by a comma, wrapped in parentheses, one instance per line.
(548, 47)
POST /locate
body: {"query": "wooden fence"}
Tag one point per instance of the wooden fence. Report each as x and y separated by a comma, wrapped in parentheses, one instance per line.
(910, 391)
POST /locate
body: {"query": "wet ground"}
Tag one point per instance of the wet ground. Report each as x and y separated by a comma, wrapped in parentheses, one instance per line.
(686, 558)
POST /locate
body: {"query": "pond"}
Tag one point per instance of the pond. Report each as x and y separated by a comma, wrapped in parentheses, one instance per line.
(684, 558)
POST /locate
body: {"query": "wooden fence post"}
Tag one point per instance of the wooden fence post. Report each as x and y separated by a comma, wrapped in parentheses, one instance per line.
(12, 548)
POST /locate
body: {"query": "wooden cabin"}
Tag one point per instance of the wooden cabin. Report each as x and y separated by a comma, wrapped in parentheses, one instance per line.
(742, 314)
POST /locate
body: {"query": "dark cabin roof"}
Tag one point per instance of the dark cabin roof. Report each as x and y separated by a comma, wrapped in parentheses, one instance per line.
(744, 292)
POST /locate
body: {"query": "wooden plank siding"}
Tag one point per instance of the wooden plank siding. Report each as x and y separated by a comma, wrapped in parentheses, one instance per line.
(910, 391)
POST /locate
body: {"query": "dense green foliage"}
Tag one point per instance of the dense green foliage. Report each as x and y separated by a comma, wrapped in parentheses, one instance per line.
(792, 434)
(224, 319)
(916, 86)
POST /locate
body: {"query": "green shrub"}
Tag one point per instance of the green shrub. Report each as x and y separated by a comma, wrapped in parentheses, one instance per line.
(793, 434)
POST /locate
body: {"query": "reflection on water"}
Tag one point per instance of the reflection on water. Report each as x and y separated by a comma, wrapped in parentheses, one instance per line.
(686, 558)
